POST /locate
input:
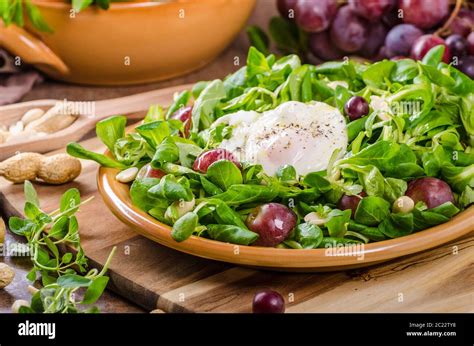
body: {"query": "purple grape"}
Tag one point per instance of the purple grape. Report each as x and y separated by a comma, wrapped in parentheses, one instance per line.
(470, 43)
(400, 39)
(348, 31)
(321, 46)
(371, 9)
(268, 302)
(432, 191)
(375, 40)
(457, 45)
(356, 107)
(425, 14)
(273, 222)
(315, 15)
(466, 65)
(463, 23)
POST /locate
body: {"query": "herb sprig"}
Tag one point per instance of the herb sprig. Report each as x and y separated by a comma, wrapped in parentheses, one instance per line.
(60, 277)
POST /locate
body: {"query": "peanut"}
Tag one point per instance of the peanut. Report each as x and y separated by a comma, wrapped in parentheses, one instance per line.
(6, 275)
(59, 169)
(21, 167)
(16, 128)
(32, 115)
(54, 120)
(56, 169)
(4, 135)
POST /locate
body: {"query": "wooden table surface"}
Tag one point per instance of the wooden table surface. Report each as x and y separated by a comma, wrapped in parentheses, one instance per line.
(219, 68)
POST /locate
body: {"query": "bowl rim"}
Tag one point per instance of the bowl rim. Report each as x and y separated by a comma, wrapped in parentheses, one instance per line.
(116, 197)
(113, 5)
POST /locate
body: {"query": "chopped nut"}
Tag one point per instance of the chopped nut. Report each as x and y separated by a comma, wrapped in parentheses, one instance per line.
(157, 311)
(403, 204)
(127, 175)
(32, 289)
(182, 208)
(315, 219)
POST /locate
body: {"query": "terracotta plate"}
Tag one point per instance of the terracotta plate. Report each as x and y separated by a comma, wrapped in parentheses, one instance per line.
(116, 196)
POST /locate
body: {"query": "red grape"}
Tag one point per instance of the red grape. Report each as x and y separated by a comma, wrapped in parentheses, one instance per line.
(424, 43)
(371, 9)
(457, 45)
(268, 301)
(424, 14)
(287, 8)
(377, 32)
(356, 107)
(470, 43)
(321, 46)
(466, 65)
(432, 191)
(184, 115)
(400, 39)
(148, 172)
(273, 222)
(315, 15)
(348, 31)
(207, 158)
(350, 202)
(463, 23)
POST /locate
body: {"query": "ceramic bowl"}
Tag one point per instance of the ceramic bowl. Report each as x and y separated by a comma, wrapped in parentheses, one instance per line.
(117, 198)
(131, 42)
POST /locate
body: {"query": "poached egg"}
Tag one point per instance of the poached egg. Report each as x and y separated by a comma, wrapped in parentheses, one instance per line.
(295, 133)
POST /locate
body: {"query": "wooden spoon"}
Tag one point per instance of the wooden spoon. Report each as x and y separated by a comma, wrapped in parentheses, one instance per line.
(83, 124)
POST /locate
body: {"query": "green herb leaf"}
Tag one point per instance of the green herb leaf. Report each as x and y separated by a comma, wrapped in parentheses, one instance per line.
(231, 234)
(184, 227)
(224, 174)
(95, 290)
(372, 210)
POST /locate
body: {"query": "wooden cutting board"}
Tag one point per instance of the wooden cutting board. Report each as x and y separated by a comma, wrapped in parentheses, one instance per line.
(153, 276)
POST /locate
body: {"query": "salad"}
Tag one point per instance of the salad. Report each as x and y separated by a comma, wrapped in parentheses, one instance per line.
(290, 155)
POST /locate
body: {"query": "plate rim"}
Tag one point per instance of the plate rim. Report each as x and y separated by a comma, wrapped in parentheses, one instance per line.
(115, 197)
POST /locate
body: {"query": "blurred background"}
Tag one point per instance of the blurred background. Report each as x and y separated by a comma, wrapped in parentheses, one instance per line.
(176, 42)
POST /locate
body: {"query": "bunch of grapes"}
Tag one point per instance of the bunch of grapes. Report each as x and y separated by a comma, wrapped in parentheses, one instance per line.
(377, 29)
